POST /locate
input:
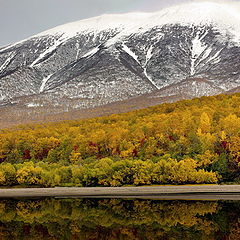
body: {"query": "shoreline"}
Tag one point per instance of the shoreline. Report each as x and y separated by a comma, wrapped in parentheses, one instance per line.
(190, 192)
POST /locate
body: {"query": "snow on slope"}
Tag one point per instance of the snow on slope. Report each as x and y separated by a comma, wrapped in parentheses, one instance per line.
(5, 64)
(48, 51)
(92, 52)
(199, 12)
(224, 16)
(94, 25)
(198, 47)
(100, 23)
(130, 52)
(43, 83)
(220, 14)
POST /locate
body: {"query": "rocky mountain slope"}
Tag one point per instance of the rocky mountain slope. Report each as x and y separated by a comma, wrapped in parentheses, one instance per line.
(189, 50)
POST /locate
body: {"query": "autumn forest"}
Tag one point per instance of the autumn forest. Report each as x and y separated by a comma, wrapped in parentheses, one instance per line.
(190, 141)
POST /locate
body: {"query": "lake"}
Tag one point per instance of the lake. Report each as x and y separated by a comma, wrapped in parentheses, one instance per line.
(111, 219)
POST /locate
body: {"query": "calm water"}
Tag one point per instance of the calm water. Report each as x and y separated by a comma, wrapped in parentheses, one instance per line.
(112, 219)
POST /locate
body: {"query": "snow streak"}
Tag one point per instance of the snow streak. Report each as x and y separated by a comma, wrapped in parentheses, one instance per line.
(45, 53)
(130, 52)
(91, 53)
(44, 81)
(198, 47)
(148, 57)
(6, 63)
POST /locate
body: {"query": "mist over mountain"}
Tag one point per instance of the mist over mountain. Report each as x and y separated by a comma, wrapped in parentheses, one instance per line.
(185, 51)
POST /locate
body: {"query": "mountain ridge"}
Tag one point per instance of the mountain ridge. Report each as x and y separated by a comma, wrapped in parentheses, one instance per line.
(111, 58)
(106, 21)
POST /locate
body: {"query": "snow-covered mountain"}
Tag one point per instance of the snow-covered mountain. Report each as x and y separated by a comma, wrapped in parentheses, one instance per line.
(189, 50)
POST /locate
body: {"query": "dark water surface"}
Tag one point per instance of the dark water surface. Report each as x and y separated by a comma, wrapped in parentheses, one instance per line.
(112, 219)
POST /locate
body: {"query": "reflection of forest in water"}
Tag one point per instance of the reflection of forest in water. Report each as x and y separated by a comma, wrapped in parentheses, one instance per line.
(112, 219)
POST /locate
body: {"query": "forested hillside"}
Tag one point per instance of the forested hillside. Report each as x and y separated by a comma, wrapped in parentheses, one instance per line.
(191, 141)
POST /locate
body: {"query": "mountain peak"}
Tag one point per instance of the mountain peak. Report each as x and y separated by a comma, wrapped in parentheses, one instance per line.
(199, 13)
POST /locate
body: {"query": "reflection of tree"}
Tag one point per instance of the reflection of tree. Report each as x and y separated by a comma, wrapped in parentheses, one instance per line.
(235, 232)
(111, 219)
(106, 219)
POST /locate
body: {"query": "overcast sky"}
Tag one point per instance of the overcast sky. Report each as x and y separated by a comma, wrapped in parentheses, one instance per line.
(20, 19)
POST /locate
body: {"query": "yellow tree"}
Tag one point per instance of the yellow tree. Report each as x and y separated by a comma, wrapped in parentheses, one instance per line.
(230, 125)
(205, 123)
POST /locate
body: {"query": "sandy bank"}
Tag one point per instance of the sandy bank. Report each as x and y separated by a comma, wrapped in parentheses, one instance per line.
(230, 192)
